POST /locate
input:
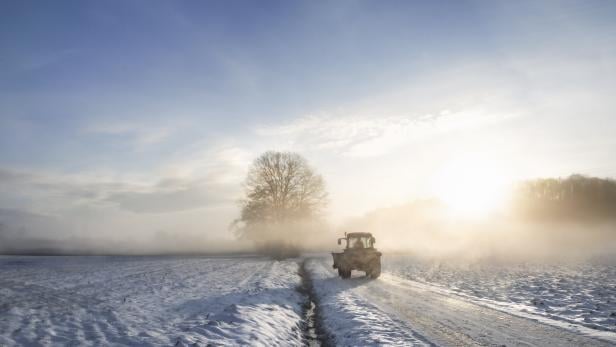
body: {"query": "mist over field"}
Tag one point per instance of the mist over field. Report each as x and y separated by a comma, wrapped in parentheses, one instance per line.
(529, 227)
(425, 229)
(308, 173)
(543, 219)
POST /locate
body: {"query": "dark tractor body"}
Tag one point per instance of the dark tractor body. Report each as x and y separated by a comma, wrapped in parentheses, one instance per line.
(359, 254)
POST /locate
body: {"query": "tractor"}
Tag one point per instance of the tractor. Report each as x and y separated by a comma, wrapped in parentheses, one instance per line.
(359, 254)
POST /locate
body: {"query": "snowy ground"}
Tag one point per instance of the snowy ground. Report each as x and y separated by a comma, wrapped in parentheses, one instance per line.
(145, 301)
(200, 301)
(394, 310)
(349, 318)
(583, 293)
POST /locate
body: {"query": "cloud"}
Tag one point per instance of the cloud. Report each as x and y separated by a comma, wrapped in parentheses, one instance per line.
(89, 211)
(154, 193)
(140, 135)
(49, 192)
(365, 135)
(455, 99)
(170, 196)
(223, 163)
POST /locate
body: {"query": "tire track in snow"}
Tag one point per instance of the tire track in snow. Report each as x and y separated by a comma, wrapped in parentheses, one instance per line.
(447, 320)
(350, 319)
(314, 331)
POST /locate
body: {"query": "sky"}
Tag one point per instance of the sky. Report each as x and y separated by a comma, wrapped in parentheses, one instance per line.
(142, 117)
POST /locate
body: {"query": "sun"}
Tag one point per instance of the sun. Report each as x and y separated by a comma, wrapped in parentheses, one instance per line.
(471, 186)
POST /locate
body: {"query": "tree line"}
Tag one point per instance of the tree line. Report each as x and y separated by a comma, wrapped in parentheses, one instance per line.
(576, 198)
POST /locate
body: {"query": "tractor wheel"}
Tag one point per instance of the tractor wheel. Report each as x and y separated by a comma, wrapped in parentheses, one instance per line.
(375, 270)
(344, 273)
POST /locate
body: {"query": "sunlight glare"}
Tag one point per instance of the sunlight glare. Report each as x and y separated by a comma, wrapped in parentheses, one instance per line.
(471, 186)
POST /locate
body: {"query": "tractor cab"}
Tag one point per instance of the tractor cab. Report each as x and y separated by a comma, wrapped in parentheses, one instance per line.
(358, 240)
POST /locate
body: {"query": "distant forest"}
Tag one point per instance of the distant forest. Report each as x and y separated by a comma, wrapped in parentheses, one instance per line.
(576, 198)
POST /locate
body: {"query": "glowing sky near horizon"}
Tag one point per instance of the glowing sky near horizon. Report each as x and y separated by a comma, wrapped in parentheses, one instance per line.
(145, 115)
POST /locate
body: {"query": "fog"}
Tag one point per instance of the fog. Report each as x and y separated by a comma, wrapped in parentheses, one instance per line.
(422, 228)
(30, 233)
(427, 229)
(573, 226)
(404, 229)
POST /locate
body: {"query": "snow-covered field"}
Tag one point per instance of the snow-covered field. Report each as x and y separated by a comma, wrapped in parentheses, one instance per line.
(143, 301)
(399, 310)
(583, 293)
(201, 301)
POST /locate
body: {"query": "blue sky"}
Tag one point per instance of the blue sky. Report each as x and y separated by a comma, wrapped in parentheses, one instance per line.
(147, 113)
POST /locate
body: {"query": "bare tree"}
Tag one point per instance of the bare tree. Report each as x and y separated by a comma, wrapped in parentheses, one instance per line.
(280, 188)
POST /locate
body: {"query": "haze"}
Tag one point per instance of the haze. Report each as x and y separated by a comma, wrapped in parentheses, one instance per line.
(131, 125)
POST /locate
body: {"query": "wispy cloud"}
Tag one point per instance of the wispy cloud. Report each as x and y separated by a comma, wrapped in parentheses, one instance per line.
(209, 179)
(364, 135)
(170, 196)
(458, 98)
(141, 135)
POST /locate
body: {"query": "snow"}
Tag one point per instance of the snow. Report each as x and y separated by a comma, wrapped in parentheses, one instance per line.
(579, 294)
(244, 300)
(393, 310)
(350, 319)
(147, 301)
